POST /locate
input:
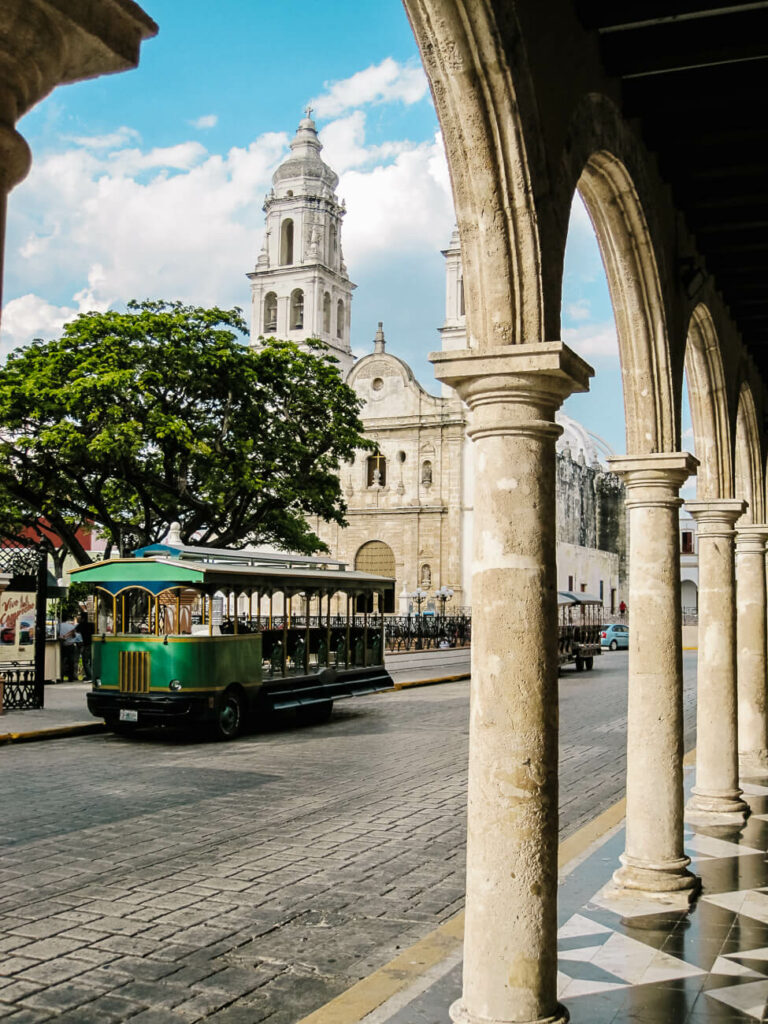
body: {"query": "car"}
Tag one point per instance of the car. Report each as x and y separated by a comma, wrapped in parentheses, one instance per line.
(614, 635)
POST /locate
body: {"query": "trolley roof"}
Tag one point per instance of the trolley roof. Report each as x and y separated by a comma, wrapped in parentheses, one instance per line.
(159, 574)
(172, 548)
(570, 597)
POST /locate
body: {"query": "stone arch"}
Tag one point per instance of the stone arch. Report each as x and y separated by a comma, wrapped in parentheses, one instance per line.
(481, 103)
(327, 312)
(286, 242)
(627, 250)
(270, 312)
(340, 319)
(297, 309)
(378, 558)
(709, 407)
(375, 557)
(748, 470)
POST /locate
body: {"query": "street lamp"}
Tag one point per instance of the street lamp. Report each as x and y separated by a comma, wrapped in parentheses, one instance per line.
(443, 595)
(418, 596)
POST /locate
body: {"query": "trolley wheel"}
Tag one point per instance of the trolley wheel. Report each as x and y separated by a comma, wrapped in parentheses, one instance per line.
(316, 714)
(229, 718)
(613, 645)
(119, 728)
(588, 663)
(579, 664)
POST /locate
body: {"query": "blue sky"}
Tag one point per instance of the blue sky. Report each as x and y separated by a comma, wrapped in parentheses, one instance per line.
(150, 183)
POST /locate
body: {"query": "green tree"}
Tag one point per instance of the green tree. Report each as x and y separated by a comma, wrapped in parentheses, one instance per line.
(133, 420)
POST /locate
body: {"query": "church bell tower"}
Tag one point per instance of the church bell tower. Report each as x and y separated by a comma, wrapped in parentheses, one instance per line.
(299, 286)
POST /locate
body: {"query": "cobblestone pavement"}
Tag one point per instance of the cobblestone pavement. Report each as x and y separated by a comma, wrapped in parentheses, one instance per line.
(160, 880)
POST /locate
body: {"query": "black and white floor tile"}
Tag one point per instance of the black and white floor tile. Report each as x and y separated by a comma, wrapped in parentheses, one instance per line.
(623, 959)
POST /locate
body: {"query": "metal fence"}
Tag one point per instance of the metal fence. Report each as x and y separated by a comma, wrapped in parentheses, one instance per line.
(427, 632)
(21, 691)
(403, 632)
(27, 565)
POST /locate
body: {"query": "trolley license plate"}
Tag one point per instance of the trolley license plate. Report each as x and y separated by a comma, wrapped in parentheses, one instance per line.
(128, 716)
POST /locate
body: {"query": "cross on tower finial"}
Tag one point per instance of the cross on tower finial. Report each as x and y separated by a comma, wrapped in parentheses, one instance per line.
(308, 111)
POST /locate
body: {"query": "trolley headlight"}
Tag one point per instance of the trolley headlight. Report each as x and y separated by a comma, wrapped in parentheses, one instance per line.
(96, 684)
(175, 684)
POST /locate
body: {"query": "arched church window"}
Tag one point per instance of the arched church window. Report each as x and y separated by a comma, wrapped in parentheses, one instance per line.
(461, 297)
(377, 471)
(426, 473)
(339, 319)
(333, 244)
(286, 242)
(378, 558)
(327, 312)
(270, 312)
(297, 309)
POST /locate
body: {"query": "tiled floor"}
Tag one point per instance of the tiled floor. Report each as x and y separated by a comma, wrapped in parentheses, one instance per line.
(639, 962)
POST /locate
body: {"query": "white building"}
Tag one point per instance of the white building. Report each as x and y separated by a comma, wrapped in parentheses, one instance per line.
(410, 507)
(299, 287)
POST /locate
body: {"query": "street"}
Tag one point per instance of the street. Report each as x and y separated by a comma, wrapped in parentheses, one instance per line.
(163, 880)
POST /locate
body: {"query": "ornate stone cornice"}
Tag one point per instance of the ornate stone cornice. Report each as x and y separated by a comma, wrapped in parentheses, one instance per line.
(751, 538)
(513, 389)
(718, 517)
(654, 480)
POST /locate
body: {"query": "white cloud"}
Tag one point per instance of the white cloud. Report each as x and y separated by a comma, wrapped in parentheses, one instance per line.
(579, 310)
(206, 121)
(593, 340)
(344, 144)
(112, 140)
(30, 317)
(387, 82)
(95, 229)
(401, 207)
(96, 225)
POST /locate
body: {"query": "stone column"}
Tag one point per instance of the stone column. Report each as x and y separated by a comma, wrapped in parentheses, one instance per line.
(510, 946)
(716, 795)
(751, 649)
(653, 860)
(15, 160)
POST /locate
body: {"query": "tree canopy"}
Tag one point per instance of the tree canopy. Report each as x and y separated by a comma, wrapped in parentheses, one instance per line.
(134, 420)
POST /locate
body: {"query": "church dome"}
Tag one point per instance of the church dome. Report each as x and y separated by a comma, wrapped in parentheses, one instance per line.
(305, 160)
(577, 439)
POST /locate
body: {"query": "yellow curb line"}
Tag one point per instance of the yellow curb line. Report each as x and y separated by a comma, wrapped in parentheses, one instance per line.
(53, 733)
(369, 993)
(428, 682)
(82, 728)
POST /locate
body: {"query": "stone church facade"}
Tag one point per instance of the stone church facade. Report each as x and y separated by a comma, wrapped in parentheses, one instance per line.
(410, 506)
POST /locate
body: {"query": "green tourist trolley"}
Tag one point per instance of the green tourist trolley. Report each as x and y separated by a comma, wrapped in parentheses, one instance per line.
(189, 636)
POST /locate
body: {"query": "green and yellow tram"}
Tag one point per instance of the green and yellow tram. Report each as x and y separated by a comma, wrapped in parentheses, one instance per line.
(187, 635)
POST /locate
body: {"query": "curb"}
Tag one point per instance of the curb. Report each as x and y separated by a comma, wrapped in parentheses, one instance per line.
(55, 732)
(428, 682)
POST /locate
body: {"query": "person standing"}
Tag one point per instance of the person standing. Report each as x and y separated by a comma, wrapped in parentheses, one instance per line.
(69, 638)
(86, 629)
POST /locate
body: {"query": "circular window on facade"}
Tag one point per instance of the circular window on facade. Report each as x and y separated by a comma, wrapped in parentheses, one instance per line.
(377, 383)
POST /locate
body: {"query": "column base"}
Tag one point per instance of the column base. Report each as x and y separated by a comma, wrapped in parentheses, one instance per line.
(716, 809)
(461, 1015)
(656, 879)
(753, 764)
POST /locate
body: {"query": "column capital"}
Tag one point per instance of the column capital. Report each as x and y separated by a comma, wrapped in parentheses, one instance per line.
(716, 518)
(15, 157)
(654, 479)
(514, 389)
(751, 537)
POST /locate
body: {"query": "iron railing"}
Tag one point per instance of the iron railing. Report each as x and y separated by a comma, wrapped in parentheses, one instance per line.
(21, 691)
(27, 565)
(403, 632)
